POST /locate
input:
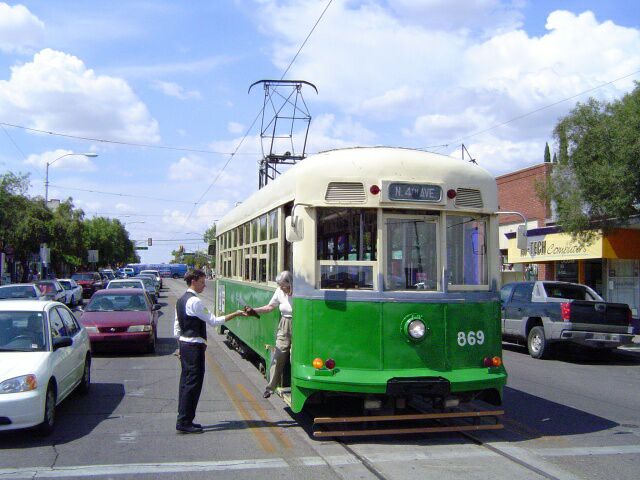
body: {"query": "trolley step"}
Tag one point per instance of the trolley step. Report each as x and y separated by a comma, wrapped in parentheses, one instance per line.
(417, 423)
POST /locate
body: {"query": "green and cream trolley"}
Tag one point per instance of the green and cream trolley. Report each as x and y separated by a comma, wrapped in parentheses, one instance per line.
(394, 254)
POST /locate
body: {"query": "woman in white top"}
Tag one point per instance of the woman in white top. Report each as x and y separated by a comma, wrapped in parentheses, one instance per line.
(282, 299)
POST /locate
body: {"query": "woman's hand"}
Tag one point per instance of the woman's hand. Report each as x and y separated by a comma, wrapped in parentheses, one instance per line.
(250, 312)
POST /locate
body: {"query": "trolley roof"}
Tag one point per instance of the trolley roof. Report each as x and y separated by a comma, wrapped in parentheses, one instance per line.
(307, 181)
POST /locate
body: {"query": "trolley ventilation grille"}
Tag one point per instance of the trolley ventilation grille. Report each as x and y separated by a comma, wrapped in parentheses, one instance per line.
(352, 192)
(467, 197)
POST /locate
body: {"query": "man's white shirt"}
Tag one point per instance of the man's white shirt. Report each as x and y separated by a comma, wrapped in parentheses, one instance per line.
(196, 308)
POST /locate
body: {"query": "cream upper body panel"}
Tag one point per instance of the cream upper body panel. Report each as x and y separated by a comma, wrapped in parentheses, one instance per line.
(344, 177)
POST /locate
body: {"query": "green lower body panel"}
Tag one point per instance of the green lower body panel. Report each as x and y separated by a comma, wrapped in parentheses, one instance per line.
(370, 344)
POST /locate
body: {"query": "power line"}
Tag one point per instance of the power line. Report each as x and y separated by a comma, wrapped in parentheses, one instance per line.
(122, 194)
(117, 142)
(524, 115)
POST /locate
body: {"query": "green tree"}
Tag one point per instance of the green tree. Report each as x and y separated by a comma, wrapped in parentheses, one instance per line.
(596, 183)
(66, 230)
(111, 239)
(547, 153)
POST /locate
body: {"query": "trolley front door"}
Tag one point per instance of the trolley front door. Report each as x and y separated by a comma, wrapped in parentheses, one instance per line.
(411, 260)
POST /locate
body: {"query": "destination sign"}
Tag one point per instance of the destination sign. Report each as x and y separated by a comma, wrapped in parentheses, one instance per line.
(415, 192)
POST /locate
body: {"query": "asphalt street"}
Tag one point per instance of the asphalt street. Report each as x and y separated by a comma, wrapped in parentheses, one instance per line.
(574, 417)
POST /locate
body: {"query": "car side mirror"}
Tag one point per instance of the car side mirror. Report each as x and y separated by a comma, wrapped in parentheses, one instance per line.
(294, 229)
(157, 306)
(61, 342)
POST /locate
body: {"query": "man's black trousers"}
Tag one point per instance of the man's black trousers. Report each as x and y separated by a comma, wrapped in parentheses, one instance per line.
(191, 378)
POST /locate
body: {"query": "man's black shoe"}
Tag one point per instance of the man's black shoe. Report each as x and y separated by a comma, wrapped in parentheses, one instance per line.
(188, 429)
(266, 394)
(197, 425)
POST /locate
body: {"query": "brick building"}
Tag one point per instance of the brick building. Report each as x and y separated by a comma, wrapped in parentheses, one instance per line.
(610, 264)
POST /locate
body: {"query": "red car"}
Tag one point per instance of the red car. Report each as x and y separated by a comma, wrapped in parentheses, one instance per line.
(90, 282)
(121, 317)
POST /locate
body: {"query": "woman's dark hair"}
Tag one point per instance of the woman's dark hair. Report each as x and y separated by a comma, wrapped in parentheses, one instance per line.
(193, 275)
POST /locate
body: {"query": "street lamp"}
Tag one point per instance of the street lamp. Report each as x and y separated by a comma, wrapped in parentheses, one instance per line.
(46, 178)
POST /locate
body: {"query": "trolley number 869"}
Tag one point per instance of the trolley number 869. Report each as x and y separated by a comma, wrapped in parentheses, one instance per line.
(470, 338)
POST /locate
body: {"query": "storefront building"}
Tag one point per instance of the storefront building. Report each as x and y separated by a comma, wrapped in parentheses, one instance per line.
(609, 263)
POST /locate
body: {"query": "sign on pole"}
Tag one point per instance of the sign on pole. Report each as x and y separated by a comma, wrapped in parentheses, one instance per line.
(92, 256)
(45, 253)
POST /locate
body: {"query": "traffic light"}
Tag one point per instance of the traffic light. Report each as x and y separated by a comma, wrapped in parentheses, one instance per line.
(149, 241)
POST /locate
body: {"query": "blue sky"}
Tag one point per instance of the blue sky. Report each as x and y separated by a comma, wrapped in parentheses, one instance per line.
(412, 73)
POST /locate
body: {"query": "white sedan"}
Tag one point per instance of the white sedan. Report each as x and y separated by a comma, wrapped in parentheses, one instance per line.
(44, 355)
(72, 290)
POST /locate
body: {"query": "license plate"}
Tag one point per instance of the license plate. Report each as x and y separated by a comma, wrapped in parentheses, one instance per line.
(599, 336)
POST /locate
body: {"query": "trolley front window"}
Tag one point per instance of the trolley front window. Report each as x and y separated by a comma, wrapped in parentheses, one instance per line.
(346, 247)
(467, 250)
(412, 254)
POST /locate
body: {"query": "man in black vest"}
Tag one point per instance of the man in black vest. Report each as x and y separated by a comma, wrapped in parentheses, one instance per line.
(191, 329)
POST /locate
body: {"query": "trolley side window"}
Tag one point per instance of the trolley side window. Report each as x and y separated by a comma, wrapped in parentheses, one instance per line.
(467, 250)
(412, 254)
(346, 247)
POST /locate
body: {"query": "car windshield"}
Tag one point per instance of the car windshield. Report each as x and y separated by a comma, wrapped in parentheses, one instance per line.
(17, 291)
(126, 302)
(22, 332)
(148, 282)
(82, 276)
(125, 284)
(65, 284)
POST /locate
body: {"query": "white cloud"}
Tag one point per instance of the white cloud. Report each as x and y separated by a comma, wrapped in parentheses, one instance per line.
(201, 219)
(196, 171)
(484, 16)
(61, 159)
(235, 127)
(57, 92)
(421, 68)
(19, 29)
(124, 207)
(174, 90)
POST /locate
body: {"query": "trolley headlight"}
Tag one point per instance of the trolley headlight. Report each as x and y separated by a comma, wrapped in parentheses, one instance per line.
(416, 329)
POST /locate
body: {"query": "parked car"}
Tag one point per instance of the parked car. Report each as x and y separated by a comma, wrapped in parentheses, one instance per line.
(155, 273)
(545, 313)
(52, 290)
(128, 272)
(72, 290)
(149, 285)
(122, 317)
(17, 291)
(107, 272)
(154, 279)
(90, 282)
(126, 283)
(44, 355)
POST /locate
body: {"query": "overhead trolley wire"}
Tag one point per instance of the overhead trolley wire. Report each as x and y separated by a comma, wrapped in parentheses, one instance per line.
(260, 112)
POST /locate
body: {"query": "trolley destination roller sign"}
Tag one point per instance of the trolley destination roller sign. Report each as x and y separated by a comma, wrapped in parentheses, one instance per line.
(396, 315)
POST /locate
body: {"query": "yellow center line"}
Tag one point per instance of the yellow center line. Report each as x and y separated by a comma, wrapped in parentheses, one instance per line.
(275, 431)
(261, 437)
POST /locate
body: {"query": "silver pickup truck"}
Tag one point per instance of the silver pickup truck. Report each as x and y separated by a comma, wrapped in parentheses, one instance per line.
(545, 313)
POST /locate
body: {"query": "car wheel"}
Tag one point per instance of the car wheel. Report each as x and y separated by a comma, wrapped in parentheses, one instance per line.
(85, 383)
(537, 343)
(151, 348)
(49, 419)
